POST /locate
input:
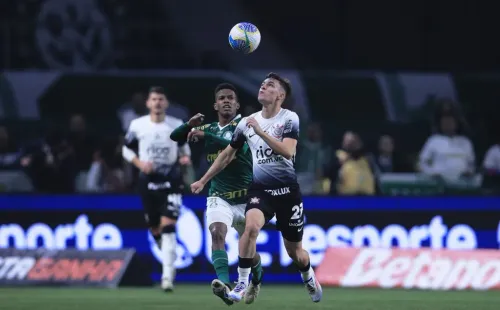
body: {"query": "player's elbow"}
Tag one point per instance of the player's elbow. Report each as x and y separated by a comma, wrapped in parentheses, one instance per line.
(287, 154)
(128, 154)
(174, 137)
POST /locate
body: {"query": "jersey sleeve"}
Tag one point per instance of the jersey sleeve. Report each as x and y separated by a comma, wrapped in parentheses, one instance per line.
(131, 140)
(238, 140)
(180, 133)
(292, 125)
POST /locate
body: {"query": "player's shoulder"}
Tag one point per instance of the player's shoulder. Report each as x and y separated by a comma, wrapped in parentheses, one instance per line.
(140, 121)
(253, 115)
(173, 121)
(289, 114)
(236, 120)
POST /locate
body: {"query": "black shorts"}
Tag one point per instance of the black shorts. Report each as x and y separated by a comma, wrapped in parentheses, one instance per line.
(284, 202)
(160, 198)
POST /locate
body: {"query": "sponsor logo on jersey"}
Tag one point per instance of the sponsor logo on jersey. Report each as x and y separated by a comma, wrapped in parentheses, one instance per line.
(212, 157)
(267, 155)
(202, 127)
(279, 191)
(157, 186)
(158, 151)
(288, 126)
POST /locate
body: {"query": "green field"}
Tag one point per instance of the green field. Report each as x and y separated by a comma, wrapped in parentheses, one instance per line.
(197, 297)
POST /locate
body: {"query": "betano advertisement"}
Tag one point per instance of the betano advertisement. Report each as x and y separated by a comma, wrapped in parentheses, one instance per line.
(116, 222)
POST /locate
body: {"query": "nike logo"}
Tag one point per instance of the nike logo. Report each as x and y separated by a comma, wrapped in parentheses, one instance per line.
(250, 136)
(300, 229)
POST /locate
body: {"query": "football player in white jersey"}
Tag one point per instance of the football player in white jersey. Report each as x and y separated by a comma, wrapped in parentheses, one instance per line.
(160, 178)
(272, 136)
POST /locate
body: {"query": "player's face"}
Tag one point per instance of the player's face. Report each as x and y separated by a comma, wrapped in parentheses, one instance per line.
(157, 103)
(226, 103)
(270, 91)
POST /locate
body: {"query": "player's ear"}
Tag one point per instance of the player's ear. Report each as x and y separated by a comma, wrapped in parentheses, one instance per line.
(282, 95)
(216, 108)
(237, 105)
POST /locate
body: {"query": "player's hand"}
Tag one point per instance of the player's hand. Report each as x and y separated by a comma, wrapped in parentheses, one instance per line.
(252, 123)
(146, 167)
(196, 135)
(196, 120)
(197, 187)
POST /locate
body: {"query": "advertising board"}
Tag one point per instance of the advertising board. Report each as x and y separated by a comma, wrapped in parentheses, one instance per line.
(116, 222)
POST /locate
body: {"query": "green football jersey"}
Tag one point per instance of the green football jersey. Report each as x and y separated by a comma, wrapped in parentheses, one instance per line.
(230, 184)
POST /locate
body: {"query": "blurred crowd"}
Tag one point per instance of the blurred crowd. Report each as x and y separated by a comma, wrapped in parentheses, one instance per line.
(76, 159)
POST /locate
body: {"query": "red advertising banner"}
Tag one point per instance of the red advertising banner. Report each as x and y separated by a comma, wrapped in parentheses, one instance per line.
(411, 268)
(63, 267)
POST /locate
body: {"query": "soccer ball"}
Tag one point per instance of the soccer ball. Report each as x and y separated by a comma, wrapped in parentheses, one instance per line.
(244, 37)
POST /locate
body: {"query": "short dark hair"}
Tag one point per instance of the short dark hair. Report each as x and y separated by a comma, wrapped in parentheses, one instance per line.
(157, 89)
(284, 82)
(226, 86)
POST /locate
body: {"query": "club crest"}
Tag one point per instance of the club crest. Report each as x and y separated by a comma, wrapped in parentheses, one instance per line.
(277, 130)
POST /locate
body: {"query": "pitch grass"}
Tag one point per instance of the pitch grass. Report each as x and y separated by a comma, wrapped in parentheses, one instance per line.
(195, 297)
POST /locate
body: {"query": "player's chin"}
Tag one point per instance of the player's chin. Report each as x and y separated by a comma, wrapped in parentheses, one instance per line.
(228, 113)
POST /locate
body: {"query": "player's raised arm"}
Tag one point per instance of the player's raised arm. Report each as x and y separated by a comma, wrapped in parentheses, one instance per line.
(224, 158)
(287, 147)
(180, 134)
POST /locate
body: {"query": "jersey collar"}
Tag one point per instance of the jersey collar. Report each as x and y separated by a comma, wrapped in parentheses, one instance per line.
(222, 127)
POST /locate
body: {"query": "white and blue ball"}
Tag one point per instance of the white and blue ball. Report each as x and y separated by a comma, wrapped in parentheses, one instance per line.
(244, 37)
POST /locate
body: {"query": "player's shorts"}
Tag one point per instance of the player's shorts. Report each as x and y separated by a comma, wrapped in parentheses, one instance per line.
(160, 198)
(219, 210)
(284, 202)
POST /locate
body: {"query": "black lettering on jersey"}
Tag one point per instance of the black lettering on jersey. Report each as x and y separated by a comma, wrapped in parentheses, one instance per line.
(264, 153)
(267, 156)
(288, 126)
(158, 151)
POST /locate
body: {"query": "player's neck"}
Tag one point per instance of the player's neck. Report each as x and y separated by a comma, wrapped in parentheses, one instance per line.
(270, 110)
(223, 121)
(157, 118)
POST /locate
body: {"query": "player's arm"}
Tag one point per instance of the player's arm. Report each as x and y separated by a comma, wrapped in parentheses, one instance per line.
(132, 143)
(184, 153)
(224, 158)
(287, 147)
(180, 134)
(221, 162)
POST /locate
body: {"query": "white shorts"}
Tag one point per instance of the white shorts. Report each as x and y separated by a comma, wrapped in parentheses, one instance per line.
(219, 210)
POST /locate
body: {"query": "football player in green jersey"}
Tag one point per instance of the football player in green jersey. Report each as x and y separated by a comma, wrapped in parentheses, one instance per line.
(227, 193)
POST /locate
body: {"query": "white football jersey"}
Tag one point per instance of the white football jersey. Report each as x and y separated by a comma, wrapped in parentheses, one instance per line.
(270, 170)
(154, 142)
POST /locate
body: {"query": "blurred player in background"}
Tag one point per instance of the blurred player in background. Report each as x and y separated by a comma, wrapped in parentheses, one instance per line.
(160, 178)
(272, 136)
(227, 194)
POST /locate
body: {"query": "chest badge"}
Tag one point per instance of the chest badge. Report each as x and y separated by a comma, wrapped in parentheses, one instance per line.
(277, 130)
